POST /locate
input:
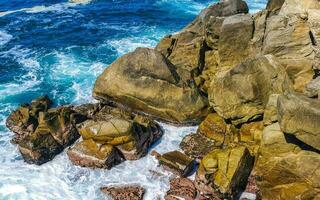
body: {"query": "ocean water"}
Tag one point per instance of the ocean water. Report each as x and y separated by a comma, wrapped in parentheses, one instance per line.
(58, 48)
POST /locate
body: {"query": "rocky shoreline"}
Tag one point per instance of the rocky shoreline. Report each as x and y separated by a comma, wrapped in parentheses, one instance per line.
(250, 80)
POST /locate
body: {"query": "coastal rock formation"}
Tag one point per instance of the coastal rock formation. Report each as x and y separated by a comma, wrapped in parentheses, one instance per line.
(146, 81)
(181, 188)
(223, 173)
(43, 132)
(112, 137)
(130, 192)
(242, 93)
(176, 162)
(293, 108)
(286, 169)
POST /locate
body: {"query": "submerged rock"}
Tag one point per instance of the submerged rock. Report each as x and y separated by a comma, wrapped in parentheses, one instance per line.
(223, 173)
(130, 192)
(146, 81)
(242, 93)
(181, 188)
(300, 116)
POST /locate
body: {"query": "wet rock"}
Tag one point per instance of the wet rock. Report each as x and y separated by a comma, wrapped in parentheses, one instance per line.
(146, 81)
(223, 173)
(181, 188)
(197, 145)
(284, 170)
(300, 116)
(178, 163)
(242, 93)
(133, 192)
(24, 120)
(89, 153)
(42, 132)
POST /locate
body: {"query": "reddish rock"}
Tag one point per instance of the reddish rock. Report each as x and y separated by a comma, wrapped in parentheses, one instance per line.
(132, 192)
(181, 188)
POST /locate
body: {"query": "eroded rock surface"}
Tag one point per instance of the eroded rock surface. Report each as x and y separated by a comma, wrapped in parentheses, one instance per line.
(130, 192)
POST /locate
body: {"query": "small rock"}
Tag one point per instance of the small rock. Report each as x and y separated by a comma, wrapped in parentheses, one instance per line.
(181, 188)
(178, 163)
(197, 145)
(133, 192)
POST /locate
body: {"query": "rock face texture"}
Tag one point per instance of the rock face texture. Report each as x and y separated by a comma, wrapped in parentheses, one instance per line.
(42, 132)
(293, 108)
(242, 93)
(181, 188)
(113, 136)
(124, 192)
(147, 82)
(284, 170)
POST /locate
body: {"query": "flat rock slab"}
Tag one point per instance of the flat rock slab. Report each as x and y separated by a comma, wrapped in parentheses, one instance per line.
(133, 192)
(181, 188)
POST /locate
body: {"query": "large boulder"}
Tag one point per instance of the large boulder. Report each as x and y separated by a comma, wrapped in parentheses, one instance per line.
(234, 42)
(288, 38)
(284, 170)
(242, 93)
(113, 136)
(146, 81)
(224, 173)
(300, 116)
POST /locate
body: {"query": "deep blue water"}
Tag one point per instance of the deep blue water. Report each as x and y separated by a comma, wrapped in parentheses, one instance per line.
(58, 48)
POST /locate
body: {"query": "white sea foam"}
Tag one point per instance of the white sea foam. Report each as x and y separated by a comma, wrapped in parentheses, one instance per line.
(59, 179)
(126, 45)
(4, 38)
(54, 7)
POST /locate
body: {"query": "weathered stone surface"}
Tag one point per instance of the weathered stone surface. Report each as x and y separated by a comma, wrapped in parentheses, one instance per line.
(89, 153)
(270, 115)
(146, 81)
(242, 93)
(288, 38)
(178, 163)
(274, 6)
(224, 172)
(197, 145)
(181, 188)
(130, 192)
(283, 170)
(300, 116)
(298, 6)
(313, 88)
(42, 132)
(24, 120)
(112, 136)
(251, 132)
(236, 33)
(214, 127)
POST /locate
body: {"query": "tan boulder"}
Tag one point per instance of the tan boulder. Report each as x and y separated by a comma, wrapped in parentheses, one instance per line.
(242, 93)
(270, 115)
(298, 6)
(234, 40)
(300, 116)
(283, 170)
(288, 38)
(146, 81)
(224, 172)
(89, 153)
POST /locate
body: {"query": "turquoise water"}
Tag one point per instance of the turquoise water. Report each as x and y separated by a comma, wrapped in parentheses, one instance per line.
(58, 48)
